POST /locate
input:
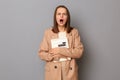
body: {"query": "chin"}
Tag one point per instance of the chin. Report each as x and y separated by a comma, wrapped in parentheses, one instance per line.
(61, 25)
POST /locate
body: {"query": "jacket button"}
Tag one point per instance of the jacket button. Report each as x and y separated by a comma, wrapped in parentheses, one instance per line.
(70, 68)
(55, 67)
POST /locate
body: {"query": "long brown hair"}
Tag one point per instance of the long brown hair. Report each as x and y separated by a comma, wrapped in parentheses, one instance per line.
(67, 25)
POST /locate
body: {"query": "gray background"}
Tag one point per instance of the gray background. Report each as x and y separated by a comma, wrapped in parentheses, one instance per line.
(22, 24)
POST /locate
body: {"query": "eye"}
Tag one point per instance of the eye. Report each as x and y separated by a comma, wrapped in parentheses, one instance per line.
(58, 13)
(65, 14)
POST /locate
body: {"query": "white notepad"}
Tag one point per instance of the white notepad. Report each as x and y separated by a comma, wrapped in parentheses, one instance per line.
(59, 42)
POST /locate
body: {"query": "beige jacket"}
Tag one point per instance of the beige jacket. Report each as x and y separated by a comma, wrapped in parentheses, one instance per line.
(59, 70)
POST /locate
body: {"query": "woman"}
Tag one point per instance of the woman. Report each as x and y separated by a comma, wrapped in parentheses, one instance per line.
(60, 48)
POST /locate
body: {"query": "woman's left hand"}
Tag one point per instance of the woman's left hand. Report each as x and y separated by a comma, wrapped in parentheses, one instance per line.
(55, 51)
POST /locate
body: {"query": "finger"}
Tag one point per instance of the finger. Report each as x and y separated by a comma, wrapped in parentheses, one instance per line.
(51, 51)
(55, 55)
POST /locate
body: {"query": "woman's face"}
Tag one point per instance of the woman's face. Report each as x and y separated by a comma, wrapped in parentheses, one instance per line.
(61, 16)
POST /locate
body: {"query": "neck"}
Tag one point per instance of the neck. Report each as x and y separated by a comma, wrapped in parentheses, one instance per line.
(61, 28)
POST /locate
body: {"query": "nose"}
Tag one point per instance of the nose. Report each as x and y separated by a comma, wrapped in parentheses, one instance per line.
(61, 15)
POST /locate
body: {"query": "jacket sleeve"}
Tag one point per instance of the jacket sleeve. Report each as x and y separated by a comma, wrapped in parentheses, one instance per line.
(44, 49)
(77, 50)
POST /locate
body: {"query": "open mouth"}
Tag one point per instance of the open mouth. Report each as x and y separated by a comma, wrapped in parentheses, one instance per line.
(61, 20)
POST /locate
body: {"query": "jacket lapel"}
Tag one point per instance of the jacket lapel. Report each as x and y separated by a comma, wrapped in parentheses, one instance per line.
(69, 37)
